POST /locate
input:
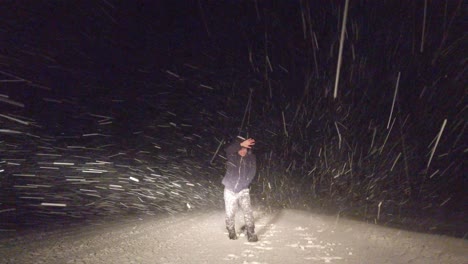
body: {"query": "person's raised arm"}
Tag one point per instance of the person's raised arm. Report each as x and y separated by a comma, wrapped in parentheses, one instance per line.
(248, 143)
(236, 145)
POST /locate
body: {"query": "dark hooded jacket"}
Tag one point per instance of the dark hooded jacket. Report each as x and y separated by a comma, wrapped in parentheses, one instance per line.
(240, 171)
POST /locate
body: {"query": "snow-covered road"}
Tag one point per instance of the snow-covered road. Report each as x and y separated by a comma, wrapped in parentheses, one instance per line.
(286, 236)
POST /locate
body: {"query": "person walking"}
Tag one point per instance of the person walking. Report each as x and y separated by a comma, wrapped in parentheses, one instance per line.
(240, 170)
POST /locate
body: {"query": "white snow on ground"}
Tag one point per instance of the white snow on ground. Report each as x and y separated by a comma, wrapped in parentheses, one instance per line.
(286, 236)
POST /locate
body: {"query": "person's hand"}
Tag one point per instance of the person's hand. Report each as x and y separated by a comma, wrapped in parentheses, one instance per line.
(248, 143)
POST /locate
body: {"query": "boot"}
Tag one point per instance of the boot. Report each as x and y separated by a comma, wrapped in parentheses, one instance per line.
(251, 236)
(232, 233)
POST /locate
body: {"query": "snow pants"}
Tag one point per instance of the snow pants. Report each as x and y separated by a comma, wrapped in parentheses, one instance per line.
(232, 202)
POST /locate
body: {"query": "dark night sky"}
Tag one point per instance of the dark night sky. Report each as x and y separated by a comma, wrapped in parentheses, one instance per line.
(118, 39)
(106, 49)
(101, 48)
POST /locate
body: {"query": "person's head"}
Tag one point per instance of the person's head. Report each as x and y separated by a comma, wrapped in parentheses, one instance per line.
(243, 151)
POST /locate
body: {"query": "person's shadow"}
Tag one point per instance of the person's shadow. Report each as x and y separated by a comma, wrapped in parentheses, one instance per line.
(262, 230)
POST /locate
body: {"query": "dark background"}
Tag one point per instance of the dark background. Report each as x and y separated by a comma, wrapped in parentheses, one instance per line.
(155, 87)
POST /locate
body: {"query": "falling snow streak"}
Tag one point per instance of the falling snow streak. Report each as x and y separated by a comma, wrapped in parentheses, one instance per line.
(340, 54)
